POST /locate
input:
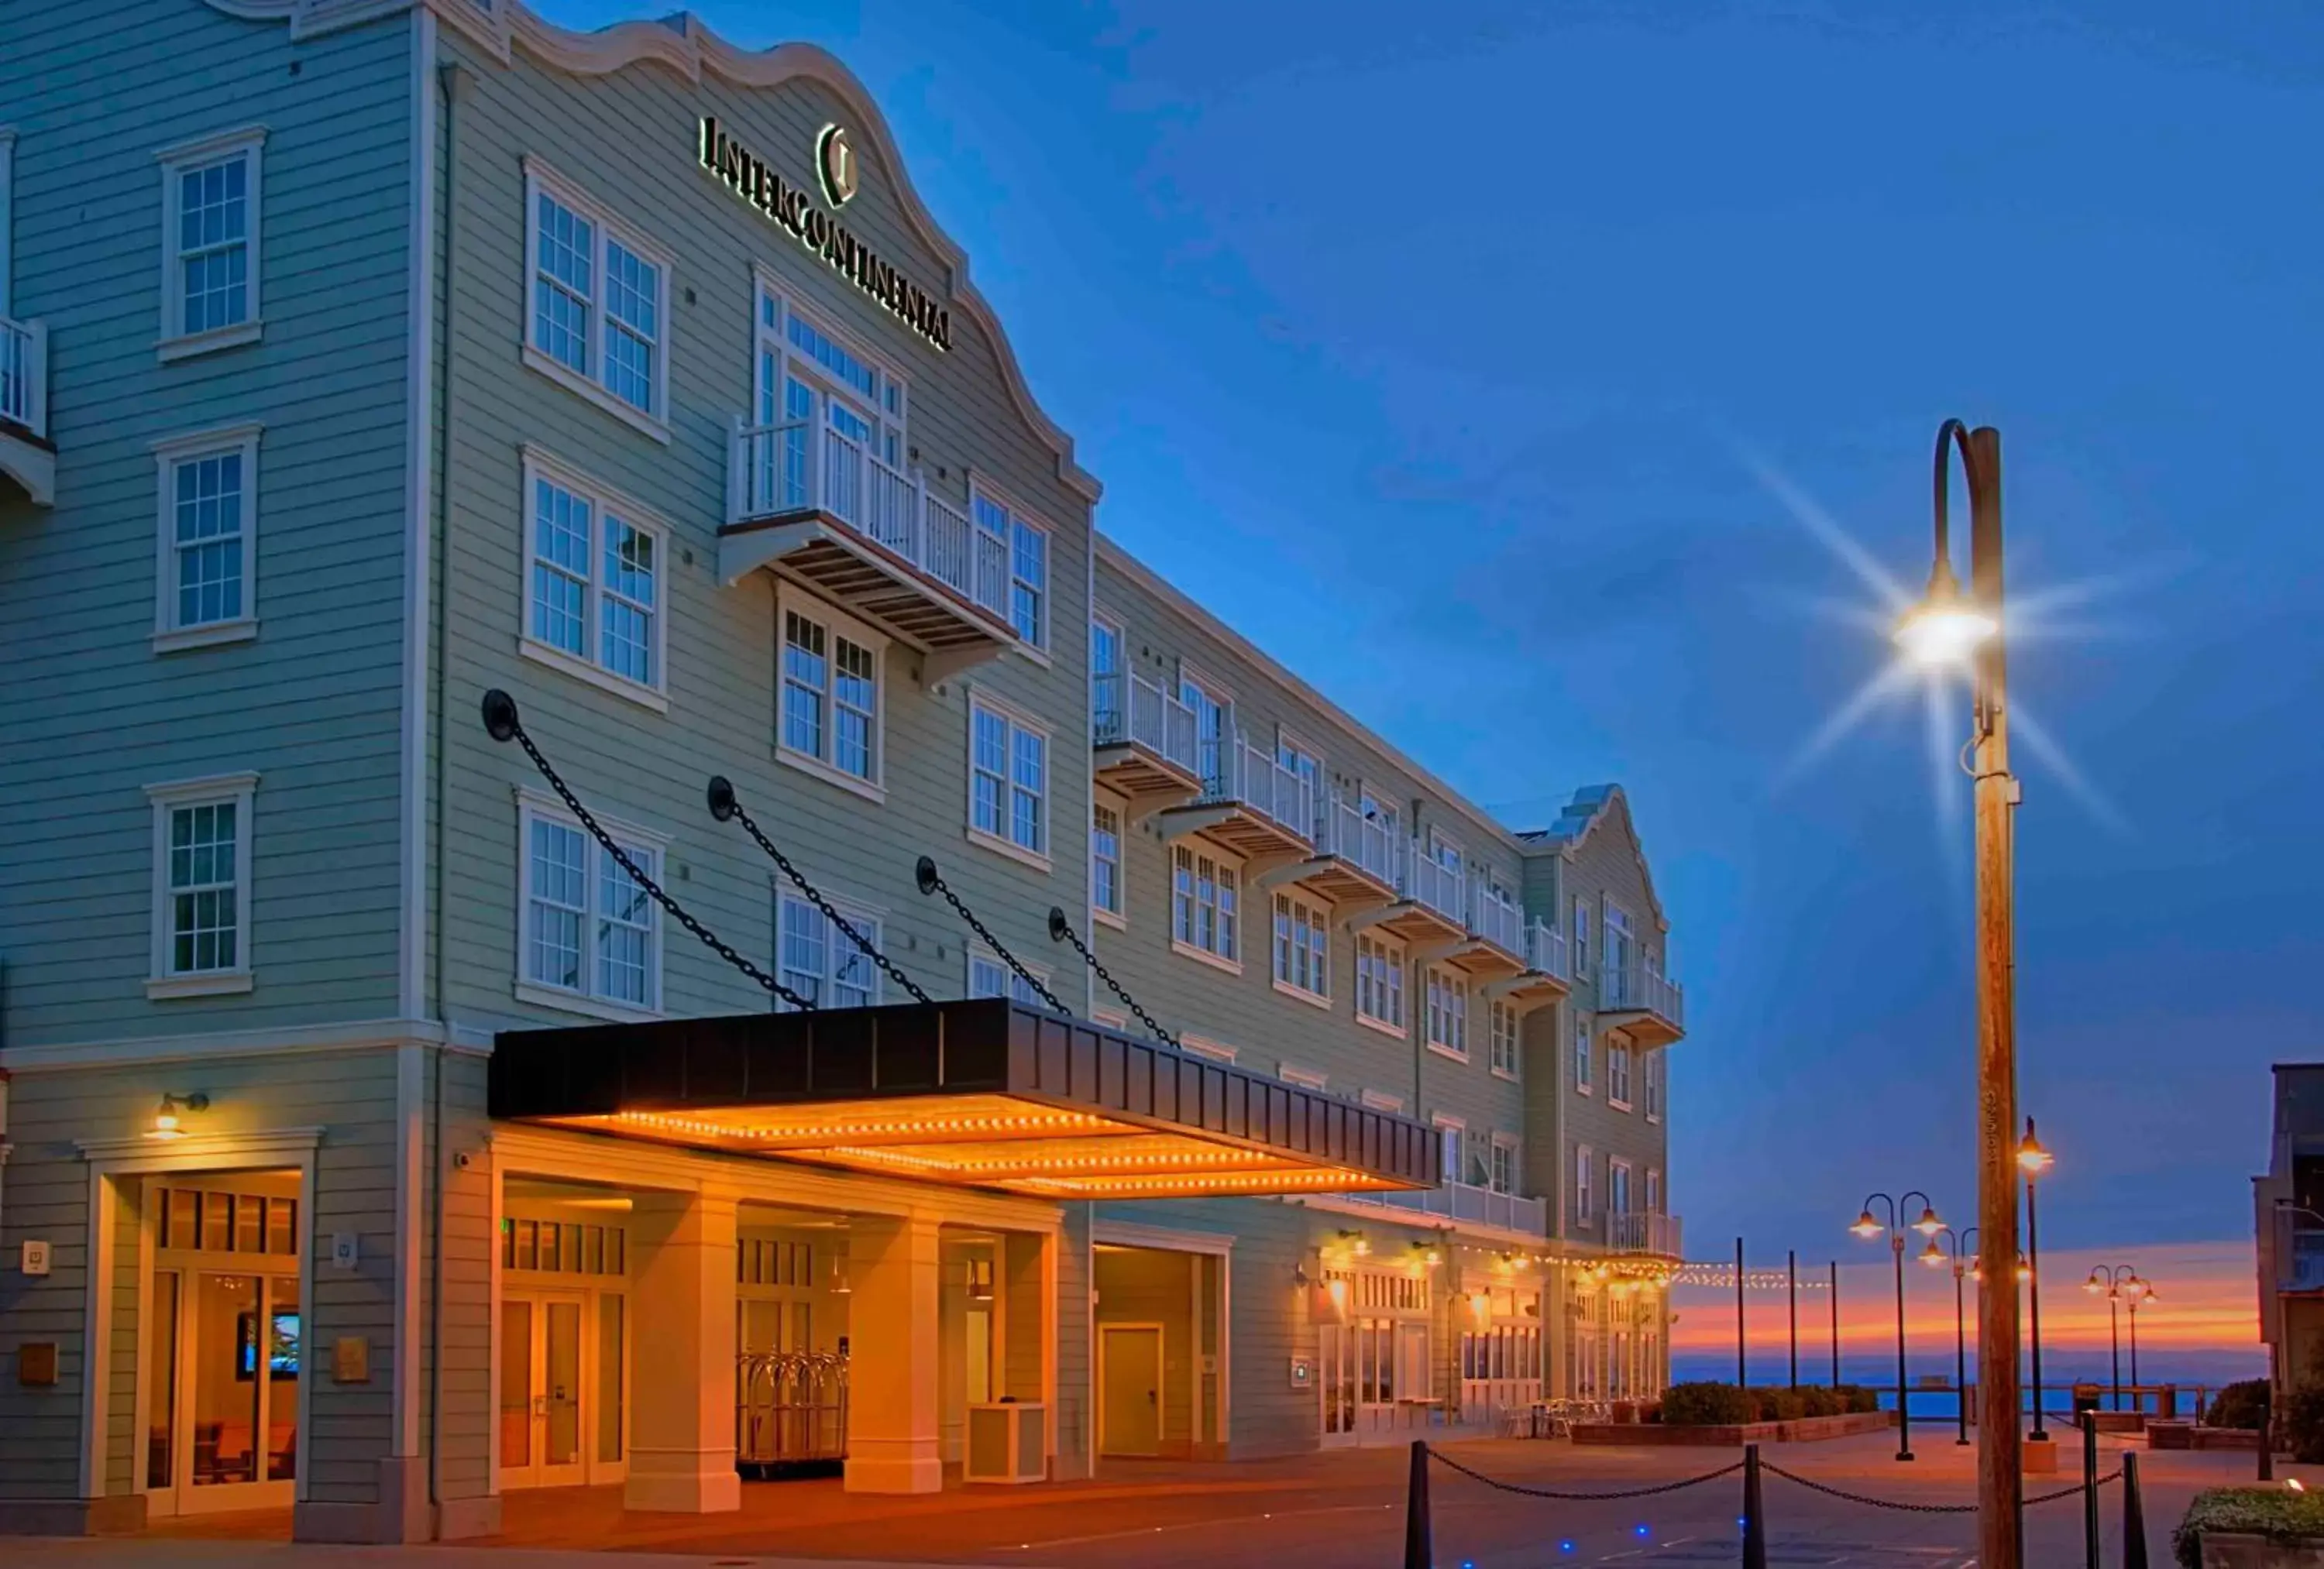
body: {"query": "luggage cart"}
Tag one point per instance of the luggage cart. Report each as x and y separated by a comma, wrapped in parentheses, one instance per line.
(790, 1414)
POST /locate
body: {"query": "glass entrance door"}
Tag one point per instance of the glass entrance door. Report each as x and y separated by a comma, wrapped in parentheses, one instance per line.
(543, 1391)
(222, 1429)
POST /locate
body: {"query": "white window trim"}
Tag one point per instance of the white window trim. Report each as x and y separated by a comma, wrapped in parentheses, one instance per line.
(1454, 980)
(1112, 1018)
(1516, 1147)
(1402, 958)
(1494, 1008)
(1304, 1078)
(240, 789)
(1620, 1103)
(791, 598)
(1019, 719)
(1380, 1100)
(979, 485)
(1585, 1188)
(1584, 1038)
(168, 636)
(856, 914)
(1615, 1163)
(1117, 919)
(1440, 1124)
(537, 465)
(1200, 955)
(1652, 1196)
(976, 953)
(1657, 1091)
(174, 343)
(539, 176)
(1203, 1046)
(533, 803)
(1318, 914)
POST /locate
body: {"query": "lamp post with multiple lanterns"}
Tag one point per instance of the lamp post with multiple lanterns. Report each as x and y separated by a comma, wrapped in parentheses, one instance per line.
(1937, 1258)
(2118, 1284)
(2034, 1161)
(1868, 1226)
(1951, 629)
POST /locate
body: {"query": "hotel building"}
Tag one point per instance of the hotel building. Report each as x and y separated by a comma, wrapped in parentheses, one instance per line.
(611, 885)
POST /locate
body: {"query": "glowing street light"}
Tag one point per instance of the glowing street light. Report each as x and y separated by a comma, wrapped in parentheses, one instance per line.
(2120, 1284)
(1868, 1226)
(2034, 1161)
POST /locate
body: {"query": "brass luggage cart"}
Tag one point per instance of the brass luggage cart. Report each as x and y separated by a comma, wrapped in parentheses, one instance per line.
(790, 1414)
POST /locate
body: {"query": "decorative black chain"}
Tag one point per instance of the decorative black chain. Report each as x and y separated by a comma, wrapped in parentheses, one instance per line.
(932, 882)
(2042, 1498)
(724, 803)
(2073, 1491)
(502, 723)
(1060, 930)
(1448, 1461)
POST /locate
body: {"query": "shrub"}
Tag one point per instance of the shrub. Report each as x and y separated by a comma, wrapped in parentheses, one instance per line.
(2238, 1405)
(1823, 1402)
(2280, 1515)
(1856, 1398)
(2299, 1425)
(1781, 1405)
(1709, 1405)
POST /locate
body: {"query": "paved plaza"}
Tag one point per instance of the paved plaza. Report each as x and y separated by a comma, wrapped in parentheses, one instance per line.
(1320, 1511)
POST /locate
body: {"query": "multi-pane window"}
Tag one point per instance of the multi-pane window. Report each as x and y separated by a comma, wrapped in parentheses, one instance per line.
(822, 963)
(1617, 1074)
(1654, 1190)
(1581, 938)
(590, 929)
(988, 977)
(1585, 1211)
(1293, 755)
(599, 300)
(1380, 981)
(831, 423)
(1025, 546)
(201, 886)
(1505, 1165)
(1653, 1074)
(593, 580)
(210, 192)
(1618, 1187)
(1447, 1011)
(830, 692)
(1008, 774)
(1452, 1137)
(1204, 903)
(1582, 1076)
(208, 538)
(1211, 710)
(1105, 858)
(1302, 945)
(1504, 1023)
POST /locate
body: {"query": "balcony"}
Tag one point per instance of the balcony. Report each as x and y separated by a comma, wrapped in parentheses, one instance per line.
(1496, 935)
(1647, 1231)
(1464, 1203)
(1354, 862)
(1548, 973)
(1650, 1008)
(27, 456)
(1430, 908)
(1145, 746)
(1249, 804)
(869, 536)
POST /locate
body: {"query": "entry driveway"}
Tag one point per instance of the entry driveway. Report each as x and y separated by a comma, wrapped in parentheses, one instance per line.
(1318, 1511)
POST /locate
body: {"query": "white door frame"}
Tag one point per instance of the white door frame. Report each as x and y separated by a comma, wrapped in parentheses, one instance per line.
(1161, 1378)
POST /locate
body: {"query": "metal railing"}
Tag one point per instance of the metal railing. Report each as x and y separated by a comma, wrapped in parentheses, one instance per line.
(792, 467)
(1546, 950)
(1494, 917)
(1152, 719)
(1430, 882)
(1467, 1201)
(24, 374)
(1234, 770)
(1647, 1231)
(1366, 842)
(1625, 987)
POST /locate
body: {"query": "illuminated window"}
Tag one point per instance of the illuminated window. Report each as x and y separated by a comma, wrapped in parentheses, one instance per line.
(1379, 982)
(830, 723)
(592, 573)
(210, 224)
(1008, 774)
(820, 962)
(598, 302)
(592, 934)
(1302, 947)
(1204, 909)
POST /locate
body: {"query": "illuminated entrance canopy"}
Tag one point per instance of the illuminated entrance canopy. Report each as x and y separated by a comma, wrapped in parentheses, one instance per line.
(981, 1093)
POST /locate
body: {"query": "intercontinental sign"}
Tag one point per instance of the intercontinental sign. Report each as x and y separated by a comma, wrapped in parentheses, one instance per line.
(747, 176)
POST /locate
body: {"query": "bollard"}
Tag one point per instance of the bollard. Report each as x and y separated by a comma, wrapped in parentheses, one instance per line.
(2090, 1489)
(1418, 1551)
(2267, 1432)
(2134, 1514)
(1755, 1523)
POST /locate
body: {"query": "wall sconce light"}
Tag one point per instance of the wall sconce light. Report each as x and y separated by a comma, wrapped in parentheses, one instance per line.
(1481, 1303)
(1336, 1290)
(165, 1115)
(980, 1279)
(839, 1282)
(1358, 1244)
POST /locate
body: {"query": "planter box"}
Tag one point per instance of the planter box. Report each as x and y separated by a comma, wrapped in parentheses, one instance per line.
(1733, 1435)
(2235, 1550)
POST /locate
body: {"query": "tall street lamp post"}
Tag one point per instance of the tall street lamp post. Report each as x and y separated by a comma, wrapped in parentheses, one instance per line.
(1937, 1258)
(1953, 628)
(1867, 1225)
(2035, 1163)
(2116, 1283)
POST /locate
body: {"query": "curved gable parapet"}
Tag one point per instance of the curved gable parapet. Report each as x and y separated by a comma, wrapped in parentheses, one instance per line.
(1593, 807)
(680, 43)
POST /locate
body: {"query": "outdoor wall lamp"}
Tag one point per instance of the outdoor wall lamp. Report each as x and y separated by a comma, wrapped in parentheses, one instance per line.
(165, 1115)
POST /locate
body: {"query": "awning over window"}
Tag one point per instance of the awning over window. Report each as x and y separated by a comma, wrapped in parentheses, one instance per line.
(981, 1093)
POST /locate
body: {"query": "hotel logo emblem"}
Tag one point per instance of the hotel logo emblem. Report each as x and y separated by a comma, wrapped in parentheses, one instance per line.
(834, 160)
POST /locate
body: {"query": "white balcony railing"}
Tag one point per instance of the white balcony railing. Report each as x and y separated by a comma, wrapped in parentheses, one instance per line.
(1234, 770)
(1464, 1201)
(1430, 882)
(1366, 842)
(1647, 1231)
(1623, 989)
(1494, 917)
(1153, 718)
(797, 466)
(1545, 951)
(24, 374)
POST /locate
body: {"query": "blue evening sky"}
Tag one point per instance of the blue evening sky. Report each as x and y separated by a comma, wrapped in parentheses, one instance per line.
(1447, 350)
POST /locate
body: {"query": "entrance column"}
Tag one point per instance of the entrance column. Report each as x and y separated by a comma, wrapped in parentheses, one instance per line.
(682, 1291)
(892, 1443)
